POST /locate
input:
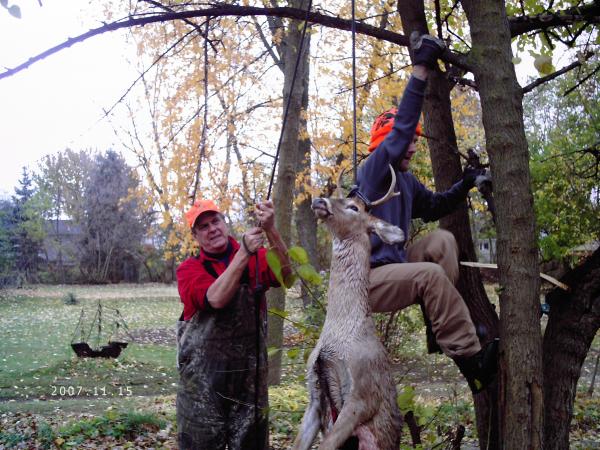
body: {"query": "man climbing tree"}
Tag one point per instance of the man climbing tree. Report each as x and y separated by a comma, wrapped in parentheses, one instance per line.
(425, 272)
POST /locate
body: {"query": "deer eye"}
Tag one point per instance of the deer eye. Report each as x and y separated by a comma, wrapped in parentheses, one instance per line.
(353, 208)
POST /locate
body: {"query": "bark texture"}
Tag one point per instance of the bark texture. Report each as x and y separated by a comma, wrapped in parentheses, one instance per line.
(288, 163)
(306, 221)
(520, 376)
(447, 171)
(573, 323)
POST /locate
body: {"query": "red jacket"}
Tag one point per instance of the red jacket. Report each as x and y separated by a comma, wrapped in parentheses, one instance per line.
(193, 280)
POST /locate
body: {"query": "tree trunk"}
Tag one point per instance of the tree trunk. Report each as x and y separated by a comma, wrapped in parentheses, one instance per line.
(447, 171)
(573, 323)
(306, 221)
(520, 376)
(286, 172)
(306, 224)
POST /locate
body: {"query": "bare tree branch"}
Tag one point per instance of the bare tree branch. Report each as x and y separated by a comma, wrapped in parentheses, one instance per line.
(235, 10)
(160, 57)
(531, 86)
(201, 108)
(374, 80)
(204, 34)
(447, 16)
(269, 47)
(438, 19)
(589, 13)
(583, 80)
(205, 122)
(463, 82)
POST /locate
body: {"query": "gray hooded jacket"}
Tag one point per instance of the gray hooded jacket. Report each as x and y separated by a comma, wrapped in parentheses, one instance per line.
(415, 200)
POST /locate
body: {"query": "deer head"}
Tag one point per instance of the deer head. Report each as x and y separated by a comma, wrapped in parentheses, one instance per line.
(346, 217)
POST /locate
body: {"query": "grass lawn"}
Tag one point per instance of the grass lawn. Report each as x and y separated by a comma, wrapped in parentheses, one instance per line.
(49, 398)
(37, 327)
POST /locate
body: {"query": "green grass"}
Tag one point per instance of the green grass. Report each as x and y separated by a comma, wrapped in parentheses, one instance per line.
(108, 430)
(110, 424)
(106, 402)
(36, 330)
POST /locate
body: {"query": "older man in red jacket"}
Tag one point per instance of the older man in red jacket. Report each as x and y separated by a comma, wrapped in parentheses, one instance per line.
(222, 360)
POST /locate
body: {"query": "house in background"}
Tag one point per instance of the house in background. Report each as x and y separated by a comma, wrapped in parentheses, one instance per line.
(60, 243)
(61, 254)
(60, 249)
(486, 250)
(484, 237)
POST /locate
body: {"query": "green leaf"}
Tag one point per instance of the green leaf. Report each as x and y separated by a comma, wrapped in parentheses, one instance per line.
(406, 398)
(278, 312)
(290, 280)
(298, 254)
(15, 11)
(543, 64)
(307, 352)
(273, 261)
(425, 414)
(272, 351)
(293, 353)
(308, 273)
(275, 265)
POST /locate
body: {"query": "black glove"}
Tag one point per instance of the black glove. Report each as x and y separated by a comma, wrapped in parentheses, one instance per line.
(470, 175)
(426, 49)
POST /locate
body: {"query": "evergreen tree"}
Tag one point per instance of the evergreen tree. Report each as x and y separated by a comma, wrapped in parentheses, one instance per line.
(7, 256)
(26, 230)
(113, 222)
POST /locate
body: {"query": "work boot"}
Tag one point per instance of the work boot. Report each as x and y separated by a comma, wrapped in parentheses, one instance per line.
(481, 368)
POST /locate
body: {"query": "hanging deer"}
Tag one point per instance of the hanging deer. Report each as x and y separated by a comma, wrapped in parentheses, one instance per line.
(352, 395)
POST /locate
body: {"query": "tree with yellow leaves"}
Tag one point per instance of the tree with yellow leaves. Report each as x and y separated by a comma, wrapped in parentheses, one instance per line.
(481, 33)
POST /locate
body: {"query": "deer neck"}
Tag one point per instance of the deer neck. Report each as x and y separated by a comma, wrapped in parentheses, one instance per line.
(349, 279)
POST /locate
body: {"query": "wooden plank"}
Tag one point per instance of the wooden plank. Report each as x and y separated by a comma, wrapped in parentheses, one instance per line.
(548, 278)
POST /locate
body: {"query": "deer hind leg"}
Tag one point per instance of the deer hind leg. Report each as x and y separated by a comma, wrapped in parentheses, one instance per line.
(360, 404)
(354, 412)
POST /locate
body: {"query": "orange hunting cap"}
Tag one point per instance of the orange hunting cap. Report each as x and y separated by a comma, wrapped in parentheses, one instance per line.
(383, 125)
(198, 208)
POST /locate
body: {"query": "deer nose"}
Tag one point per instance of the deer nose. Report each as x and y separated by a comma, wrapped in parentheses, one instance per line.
(320, 207)
(318, 203)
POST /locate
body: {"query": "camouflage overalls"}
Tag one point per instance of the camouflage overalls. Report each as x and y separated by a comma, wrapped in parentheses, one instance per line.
(217, 352)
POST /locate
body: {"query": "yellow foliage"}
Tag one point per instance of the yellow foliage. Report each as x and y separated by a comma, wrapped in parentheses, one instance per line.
(245, 109)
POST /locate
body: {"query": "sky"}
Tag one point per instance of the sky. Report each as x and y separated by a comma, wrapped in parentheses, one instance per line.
(58, 103)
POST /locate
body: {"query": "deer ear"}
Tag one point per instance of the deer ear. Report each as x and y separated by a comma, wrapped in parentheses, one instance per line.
(390, 234)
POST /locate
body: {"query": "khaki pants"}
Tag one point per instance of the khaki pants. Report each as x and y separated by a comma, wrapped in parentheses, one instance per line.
(429, 277)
